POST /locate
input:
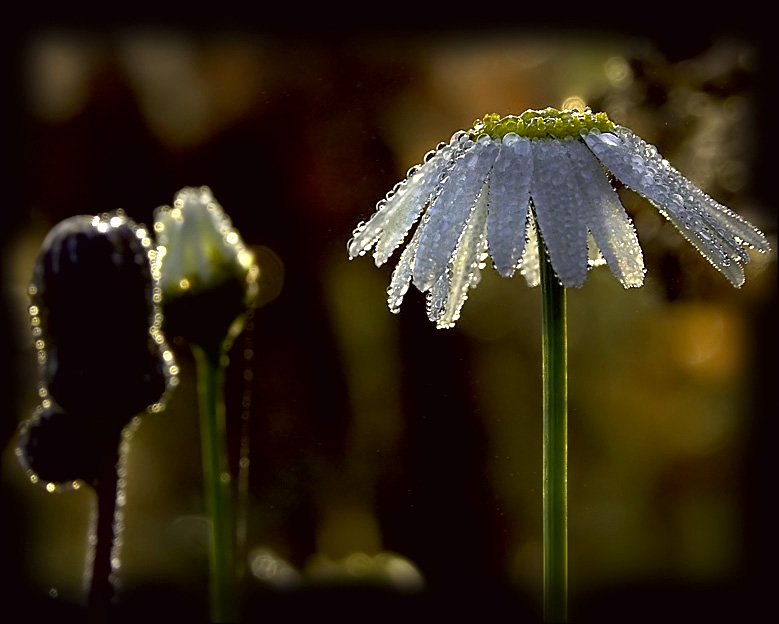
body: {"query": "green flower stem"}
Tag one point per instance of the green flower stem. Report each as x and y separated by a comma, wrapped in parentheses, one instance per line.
(555, 490)
(217, 484)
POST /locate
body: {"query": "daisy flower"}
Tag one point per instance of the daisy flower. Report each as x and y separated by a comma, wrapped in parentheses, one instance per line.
(491, 190)
(534, 193)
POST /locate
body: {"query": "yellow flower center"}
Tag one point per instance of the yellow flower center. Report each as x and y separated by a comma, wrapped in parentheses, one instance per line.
(546, 123)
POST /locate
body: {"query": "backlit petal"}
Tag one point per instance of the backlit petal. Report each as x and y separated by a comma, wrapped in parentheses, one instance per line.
(450, 291)
(713, 230)
(509, 200)
(444, 222)
(528, 265)
(607, 220)
(560, 208)
(389, 225)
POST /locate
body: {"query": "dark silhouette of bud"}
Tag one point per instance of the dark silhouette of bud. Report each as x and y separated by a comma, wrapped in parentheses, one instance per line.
(59, 447)
(95, 296)
(103, 360)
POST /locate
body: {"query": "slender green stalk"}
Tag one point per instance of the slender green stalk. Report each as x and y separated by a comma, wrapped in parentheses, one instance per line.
(555, 380)
(216, 481)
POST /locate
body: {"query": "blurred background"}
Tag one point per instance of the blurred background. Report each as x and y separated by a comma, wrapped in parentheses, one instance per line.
(391, 463)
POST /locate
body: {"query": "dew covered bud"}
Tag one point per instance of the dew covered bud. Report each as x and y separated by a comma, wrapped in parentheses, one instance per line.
(95, 318)
(59, 447)
(207, 275)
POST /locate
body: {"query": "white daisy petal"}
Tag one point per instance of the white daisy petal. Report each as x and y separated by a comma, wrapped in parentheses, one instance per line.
(388, 226)
(638, 165)
(448, 294)
(437, 295)
(560, 208)
(402, 214)
(712, 231)
(509, 200)
(691, 226)
(718, 224)
(728, 219)
(444, 221)
(529, 266)
(401, 276)
(607, 220)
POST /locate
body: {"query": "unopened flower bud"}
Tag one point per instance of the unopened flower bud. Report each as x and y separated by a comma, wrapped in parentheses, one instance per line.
(95, 318)
(208, 276)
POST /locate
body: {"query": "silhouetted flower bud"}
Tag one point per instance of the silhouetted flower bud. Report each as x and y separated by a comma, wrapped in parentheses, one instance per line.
(95, 319)
(59, 447)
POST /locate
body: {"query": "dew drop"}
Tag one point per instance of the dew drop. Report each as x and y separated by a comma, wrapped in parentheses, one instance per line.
(609, 139)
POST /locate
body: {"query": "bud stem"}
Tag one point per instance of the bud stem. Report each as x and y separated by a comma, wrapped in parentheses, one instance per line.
(101, 590)
(217, 484)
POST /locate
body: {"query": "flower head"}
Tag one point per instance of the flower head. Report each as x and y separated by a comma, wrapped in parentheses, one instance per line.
(491, 189)
(200, 248)
(94, 313)
(208, 277)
